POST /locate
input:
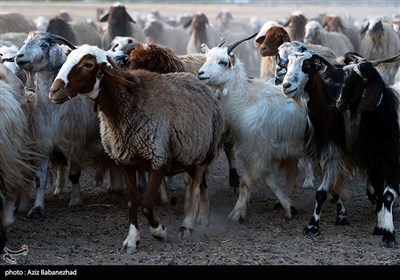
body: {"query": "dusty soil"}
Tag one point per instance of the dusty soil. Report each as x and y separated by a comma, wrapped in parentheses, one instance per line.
(93, 234)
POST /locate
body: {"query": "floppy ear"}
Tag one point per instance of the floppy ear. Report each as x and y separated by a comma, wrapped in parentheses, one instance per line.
(115, 75)
(56, 56)
(188, 23)
(371, 97)
(260, 39)
(104, 18)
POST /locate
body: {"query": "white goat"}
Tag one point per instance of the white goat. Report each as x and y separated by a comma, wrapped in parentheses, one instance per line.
(70, 130)
(268, 129)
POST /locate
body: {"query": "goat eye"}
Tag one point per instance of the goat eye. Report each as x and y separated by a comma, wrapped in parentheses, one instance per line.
(44, 46)
(222, 63)
(88, 65)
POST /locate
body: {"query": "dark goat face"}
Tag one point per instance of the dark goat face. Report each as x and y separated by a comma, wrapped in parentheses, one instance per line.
(199, 20)
(358, 92)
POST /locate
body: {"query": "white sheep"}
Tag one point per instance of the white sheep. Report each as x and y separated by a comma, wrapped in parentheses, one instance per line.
(162, 123)
(268, 129)
(314, 33)
(380, 40)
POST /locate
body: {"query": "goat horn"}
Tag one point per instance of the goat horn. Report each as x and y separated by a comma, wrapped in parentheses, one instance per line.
(62, 39)
(221, 41)
(327, 63)
(386, 59)
(231, 46)
(128, 48)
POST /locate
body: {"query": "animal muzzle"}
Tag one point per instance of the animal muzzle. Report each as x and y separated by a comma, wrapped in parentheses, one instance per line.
(57, 93)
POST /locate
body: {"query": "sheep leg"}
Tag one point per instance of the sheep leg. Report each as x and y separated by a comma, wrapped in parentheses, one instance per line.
(166, 196)
(234, 178)
(131, 243)
(116, 179)
(157, 230)
(238, 213)
(60, 179)
(74, 175)
(23, 205)
(194, 202)
(203, 214)
(60, 162)
(41, 176)
(384, 213)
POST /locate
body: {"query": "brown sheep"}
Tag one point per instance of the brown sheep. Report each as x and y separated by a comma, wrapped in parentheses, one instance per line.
(164, 124)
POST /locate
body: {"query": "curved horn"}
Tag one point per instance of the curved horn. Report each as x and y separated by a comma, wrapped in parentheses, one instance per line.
(221, 41)
(62, 39)
(327, 63)
(386, 59)
(231, 46)
(128, 47)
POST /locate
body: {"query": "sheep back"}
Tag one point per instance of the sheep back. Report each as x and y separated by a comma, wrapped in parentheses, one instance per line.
(175, 117)
(15, 22)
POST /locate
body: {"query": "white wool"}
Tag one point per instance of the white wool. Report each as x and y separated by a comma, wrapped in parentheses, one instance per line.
(267, 25)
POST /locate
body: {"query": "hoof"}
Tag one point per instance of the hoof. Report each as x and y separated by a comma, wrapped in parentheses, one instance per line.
(342, 222)
(130, 249)
(278, 205)
(388, 238)
(184, 232)
(75, 203)
(159, 233)
(57, 192)
(236, 216)
(377, 231)
(293, 214)
(36, 213)
(311, 231)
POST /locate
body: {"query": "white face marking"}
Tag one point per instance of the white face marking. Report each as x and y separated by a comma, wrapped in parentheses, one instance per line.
(294, 75)
(75, 56)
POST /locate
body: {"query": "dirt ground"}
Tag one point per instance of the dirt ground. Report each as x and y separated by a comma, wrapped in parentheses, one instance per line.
(92, 235)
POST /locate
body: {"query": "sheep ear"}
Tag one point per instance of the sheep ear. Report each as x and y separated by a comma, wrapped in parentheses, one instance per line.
(188, 23)
(104, 18)
(371, 97)
(260, 39)
(204, 48)
(115, 75)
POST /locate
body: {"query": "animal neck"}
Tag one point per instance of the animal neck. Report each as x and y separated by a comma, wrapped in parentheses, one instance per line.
(238, 82)
(327, 121)
(200, 36)
(113, 99)
(43, 81)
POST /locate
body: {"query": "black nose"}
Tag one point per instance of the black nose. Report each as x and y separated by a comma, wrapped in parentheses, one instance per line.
(200, 73)
(286, 85)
